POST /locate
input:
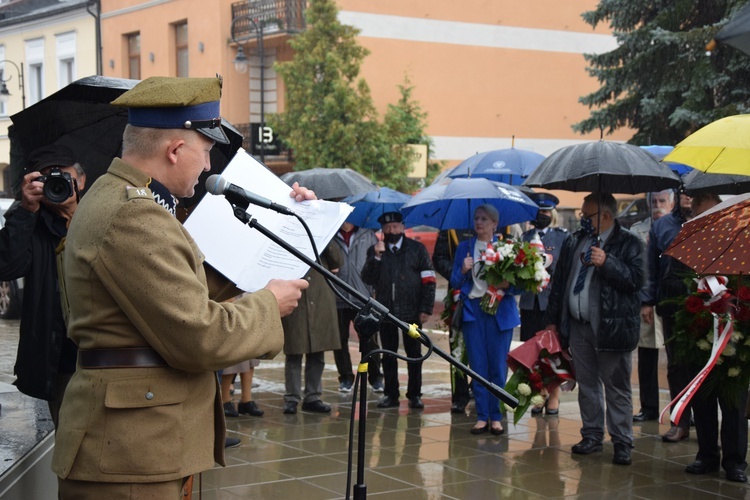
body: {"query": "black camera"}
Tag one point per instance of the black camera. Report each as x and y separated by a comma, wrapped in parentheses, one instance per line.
(58, 185)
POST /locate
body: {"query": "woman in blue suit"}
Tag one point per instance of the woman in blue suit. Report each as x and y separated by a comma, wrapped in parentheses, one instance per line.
(487, 336)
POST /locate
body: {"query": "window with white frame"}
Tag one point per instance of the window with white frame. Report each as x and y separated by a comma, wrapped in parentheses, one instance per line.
(66, 58)
(35, 62)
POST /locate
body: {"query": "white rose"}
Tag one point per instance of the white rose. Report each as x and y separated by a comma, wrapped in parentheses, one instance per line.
(729, 351)
(537, 400)
(524, 389)
(704, 345)
(733, 372)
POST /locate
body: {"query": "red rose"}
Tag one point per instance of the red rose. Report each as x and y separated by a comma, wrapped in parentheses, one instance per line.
(744, 294)
(743, 313)
(702, 323)
(694, 305)
(720, 306)
(535, 378)
(521, 257)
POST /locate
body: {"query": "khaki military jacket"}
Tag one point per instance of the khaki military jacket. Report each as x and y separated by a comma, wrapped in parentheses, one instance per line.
(134, 277)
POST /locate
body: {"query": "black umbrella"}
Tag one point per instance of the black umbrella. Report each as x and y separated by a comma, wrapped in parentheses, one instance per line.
(331, 183)
(737, 31)
(79, 116)
(605, 167)
(697, 182)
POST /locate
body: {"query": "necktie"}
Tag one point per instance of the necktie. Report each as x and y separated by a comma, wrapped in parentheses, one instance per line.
(581, 279)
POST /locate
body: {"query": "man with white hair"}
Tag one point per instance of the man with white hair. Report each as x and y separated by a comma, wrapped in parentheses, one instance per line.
(652, 338)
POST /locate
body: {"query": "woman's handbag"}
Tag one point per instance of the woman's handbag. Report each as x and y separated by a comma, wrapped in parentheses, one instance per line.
(457, 318)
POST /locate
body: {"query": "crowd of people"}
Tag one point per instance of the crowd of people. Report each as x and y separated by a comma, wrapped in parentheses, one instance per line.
(123, 317)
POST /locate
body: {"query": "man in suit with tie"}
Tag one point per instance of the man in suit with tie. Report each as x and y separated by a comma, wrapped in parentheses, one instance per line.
(595, 306)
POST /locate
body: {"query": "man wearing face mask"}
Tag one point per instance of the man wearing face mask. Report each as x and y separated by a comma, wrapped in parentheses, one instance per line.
(400, 270)
(595, 306)
(533, 305)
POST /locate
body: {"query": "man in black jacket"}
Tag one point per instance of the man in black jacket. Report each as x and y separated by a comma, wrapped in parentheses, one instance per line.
(33, 230)
(595, 306)
(400, 270)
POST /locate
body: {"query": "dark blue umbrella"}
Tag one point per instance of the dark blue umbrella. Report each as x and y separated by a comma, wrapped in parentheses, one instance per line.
(369, 206)
(450, 203)
(511, 166)
(661, 151)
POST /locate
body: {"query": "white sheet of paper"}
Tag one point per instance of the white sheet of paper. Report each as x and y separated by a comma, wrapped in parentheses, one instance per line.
(243, 254)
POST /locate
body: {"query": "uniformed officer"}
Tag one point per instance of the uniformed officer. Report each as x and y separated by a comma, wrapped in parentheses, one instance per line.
(143, 412)
(533, 305)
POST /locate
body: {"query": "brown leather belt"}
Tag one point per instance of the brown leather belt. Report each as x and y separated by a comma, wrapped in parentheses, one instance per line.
(126, 357)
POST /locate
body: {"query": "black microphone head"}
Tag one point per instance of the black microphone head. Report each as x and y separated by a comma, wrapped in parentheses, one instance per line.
(216, 184)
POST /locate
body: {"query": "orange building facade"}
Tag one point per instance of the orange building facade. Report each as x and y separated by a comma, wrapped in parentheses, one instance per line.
(489, 73)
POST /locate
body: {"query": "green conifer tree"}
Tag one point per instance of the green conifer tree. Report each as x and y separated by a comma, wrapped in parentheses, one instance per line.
(659, 80)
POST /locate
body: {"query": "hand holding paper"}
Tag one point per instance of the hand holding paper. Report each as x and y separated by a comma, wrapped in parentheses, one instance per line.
(247, 257)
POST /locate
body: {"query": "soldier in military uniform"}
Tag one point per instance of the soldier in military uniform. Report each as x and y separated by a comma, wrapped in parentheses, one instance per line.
(143, 411)
(533, 305)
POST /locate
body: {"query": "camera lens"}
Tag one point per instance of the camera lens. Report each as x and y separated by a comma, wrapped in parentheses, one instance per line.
(57, 189)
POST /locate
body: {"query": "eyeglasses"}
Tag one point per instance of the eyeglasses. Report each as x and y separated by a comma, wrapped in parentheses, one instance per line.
(581, 215)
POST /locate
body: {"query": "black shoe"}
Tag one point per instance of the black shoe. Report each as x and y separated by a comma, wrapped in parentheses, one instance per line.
(290, 407)
(231, 443)
(316, 406)
(249, 408)
(552, 412)
(675, 434)
(622, 454)
(230, 410)
(458, 408)
(480, 430)
(737, 475)
(702, 467)
(497, 431)
(388, 402)
(416, 403)
(586, 446)
(643, 416)
(537, 410)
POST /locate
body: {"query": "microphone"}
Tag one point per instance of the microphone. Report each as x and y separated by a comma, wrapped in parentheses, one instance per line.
(216, 184)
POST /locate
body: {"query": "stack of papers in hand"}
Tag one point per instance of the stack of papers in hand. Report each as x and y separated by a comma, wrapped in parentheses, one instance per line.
(243, 254)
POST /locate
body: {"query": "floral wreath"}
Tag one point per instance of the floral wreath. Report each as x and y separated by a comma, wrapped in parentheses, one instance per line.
(711, 331)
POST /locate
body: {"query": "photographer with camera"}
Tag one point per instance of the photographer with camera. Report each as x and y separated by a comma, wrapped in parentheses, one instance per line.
(33, 230)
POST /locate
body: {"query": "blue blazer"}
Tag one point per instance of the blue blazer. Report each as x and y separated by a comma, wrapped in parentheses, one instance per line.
(507, 312)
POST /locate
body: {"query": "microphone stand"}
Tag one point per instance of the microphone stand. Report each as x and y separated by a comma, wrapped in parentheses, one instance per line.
(367, 323)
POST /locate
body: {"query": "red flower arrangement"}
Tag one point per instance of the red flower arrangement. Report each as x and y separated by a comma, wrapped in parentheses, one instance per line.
(539, 366)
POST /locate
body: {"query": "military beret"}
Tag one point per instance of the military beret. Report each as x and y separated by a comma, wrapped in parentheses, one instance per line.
(545, 201)
(52, 155)
(172, 102)
(390, 217)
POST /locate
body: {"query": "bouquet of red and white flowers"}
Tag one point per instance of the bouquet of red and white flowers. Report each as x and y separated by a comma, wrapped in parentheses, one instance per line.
(521, 263)
(539, 366)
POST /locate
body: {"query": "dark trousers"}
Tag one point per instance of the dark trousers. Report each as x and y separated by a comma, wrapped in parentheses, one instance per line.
(343, 358)
(678, 375)
(733, 437)
(413, 348)
(648, 380)
(459, 387)
(532, 321)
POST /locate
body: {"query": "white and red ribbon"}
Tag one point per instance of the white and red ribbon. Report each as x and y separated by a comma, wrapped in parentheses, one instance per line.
(716, 287)
(495, 294)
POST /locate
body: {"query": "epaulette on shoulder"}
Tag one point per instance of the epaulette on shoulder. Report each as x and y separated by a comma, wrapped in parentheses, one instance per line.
(135, 193)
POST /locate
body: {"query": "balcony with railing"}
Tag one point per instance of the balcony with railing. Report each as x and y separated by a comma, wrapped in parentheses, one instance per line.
(275, 17)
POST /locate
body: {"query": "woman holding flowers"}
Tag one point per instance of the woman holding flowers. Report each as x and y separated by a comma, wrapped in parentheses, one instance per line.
(487, 336)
